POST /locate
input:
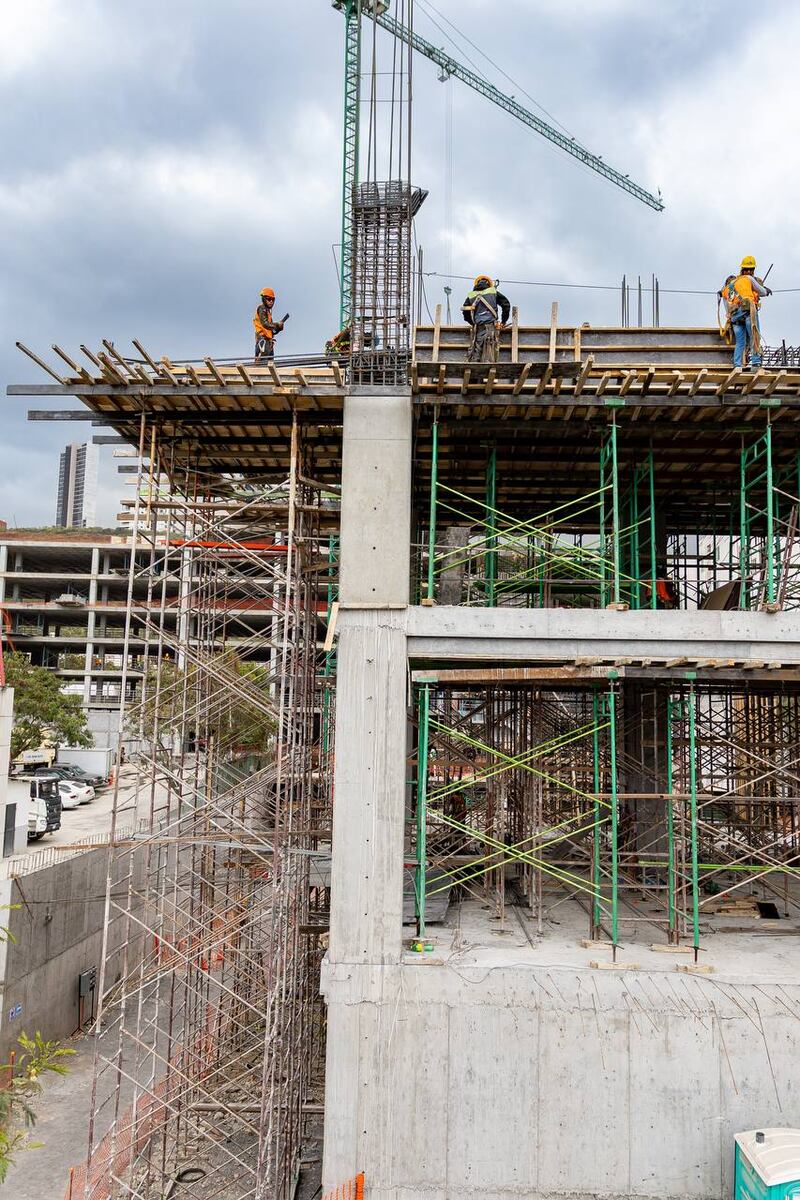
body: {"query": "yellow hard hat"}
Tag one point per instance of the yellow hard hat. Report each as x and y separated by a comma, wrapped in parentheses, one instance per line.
(748, 263)
(483, 279)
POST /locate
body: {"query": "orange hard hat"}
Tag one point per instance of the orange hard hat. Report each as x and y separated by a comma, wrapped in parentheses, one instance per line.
(268, 292)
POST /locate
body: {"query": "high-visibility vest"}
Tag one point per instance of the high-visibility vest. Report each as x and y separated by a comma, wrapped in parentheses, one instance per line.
(480, 312)
(743, 295)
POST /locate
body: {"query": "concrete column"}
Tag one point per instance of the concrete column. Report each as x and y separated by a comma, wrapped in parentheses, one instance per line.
(371, 701)
(376, 501)
(3, 569)
(15, 590)
(369, 790)
(371, 740)
(90, 628)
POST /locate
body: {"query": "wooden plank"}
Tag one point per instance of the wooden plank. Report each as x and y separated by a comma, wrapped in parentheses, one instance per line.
(523, 376)
(437, 334)
(698, 381)
(576, 345)
(515, 334)
(61, 414)
(212, 366)
(732, 377)
(545, 379)
(628, 381)
(465, 380)
(329, 636)
(584, 372)
(553, 332)
(81, 372)
(603, 966)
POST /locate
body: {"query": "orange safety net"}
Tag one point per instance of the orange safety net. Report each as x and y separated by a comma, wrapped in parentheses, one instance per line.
(352, 1190)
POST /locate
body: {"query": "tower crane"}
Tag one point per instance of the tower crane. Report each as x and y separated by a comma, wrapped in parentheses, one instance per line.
(377, 10)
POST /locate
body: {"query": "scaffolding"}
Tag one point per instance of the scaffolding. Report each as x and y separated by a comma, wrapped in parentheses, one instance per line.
(211, 1052)
(527, 796)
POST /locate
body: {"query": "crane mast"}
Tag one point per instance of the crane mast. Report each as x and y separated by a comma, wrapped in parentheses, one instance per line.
(377, 10)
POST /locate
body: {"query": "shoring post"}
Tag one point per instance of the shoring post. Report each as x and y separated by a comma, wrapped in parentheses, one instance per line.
(771, 588)
(490, 558)
(597, 909)
(634, 570)
(612, 717)
(422, 805)
(608, 454)
(434, 498)
(330, 657)
(653, 556)
(744, 534)
(693, 791)
(615, 495)
(674, 708)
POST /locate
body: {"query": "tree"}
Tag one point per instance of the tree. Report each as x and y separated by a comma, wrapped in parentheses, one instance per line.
(230, 701)
(16, 1114)
(41, 709)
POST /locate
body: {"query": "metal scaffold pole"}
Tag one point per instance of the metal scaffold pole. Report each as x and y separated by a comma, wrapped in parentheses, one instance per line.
(433, 508)
(420, 888)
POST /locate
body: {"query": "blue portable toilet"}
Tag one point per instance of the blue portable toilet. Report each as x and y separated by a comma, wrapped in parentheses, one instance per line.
(767, 1165)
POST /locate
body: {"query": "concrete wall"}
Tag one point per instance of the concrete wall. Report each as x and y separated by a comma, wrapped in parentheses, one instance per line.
(452, 1082)
(58, 932)
(21, 815)
(103, 725)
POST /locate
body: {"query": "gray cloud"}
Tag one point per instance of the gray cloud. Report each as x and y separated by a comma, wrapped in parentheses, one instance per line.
(162, 162)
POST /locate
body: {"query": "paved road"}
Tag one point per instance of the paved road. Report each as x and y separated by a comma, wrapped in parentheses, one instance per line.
(95, 819)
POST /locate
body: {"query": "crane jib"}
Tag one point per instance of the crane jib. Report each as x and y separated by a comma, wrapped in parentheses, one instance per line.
(452, 66)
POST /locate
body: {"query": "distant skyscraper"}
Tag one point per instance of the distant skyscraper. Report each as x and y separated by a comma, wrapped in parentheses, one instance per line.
(77, 486)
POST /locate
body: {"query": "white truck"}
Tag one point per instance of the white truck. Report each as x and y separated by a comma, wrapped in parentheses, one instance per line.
(38, 797)
(94, 762)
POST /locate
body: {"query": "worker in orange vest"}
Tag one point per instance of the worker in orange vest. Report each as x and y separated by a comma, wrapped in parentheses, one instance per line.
(745, 301)
(265, 327)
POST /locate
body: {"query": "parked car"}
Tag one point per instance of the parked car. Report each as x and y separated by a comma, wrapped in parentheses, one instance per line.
(74, 794)
(76, 774)
(80, 776)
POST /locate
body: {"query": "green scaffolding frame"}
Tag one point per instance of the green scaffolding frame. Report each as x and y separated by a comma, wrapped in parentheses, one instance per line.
(602, 886)
(622, 569)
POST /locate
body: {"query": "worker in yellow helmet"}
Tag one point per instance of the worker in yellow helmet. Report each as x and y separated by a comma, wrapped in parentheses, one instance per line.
(744, 302)
(487, 311)
(265, 327)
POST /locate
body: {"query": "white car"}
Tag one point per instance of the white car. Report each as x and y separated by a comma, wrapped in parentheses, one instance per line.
(73, 794)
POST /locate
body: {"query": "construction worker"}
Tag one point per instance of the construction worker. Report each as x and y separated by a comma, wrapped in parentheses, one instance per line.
(340, 345)
(487, 311)
(744, 301)
(265, 327)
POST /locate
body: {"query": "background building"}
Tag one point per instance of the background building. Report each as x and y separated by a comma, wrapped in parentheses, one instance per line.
(77, 485)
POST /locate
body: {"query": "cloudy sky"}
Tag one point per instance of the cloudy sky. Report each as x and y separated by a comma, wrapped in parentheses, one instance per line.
(162, 160)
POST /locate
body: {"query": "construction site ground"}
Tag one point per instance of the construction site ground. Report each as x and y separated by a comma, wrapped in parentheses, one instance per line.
(747, 948)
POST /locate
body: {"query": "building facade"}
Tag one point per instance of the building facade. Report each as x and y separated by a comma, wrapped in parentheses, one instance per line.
(76, 507)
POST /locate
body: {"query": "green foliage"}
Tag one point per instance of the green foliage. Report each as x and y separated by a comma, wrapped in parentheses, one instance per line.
(17, 1116)
(41, 709)
(232, 699)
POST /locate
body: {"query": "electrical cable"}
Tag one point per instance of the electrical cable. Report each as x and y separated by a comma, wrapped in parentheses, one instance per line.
(606, 287)
(497, 67)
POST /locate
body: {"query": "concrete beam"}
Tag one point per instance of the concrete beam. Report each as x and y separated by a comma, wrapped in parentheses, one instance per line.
(562, 635)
